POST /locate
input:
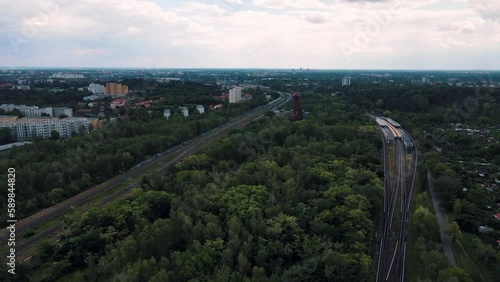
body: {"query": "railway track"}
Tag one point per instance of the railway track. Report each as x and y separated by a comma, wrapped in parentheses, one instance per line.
(398, 190)
(161, 164)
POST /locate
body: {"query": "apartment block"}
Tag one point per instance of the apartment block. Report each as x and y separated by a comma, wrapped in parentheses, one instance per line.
(115, 88)
(27, 128)
(34, 111)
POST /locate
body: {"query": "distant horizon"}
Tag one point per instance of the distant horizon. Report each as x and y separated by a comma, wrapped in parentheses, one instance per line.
(240, 68)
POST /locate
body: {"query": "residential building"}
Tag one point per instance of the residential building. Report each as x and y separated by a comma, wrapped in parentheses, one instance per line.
(22, 87)
(235, 95)
(27, 128)
(96, 88)
(117, 103)
(185, 111)
(166, 113)
(57, 112)
(115, 88)
(29, 111)
(200, 109)
(34, 111)
(346, 81)
(144, 104)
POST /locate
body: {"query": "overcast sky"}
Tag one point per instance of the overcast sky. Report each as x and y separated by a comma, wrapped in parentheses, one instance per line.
(316, 34)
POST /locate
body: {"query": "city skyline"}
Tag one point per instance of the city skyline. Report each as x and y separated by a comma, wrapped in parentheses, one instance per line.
(263, 34)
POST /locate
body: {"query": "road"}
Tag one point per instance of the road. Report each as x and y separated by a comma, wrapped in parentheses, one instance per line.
(163, 162)
(399, 183)
(445, 239)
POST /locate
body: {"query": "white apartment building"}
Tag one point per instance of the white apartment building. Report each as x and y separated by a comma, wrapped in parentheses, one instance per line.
(346, 81)
(235, 95)
(96, 88)
(57, 112)
(185, 111)
(166, 113)
(200, 109)
(29, 111)
(27, 128)
(34, 111)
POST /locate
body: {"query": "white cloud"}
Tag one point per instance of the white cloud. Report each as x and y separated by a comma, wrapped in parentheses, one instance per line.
(198, 7)
(269, 33)
(315, 18)
(272, 4)
(295, 4)
(488, 9)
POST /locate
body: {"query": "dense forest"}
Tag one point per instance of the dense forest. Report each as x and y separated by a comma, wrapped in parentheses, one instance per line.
(43, 97)
(53, 170)
(274, 201)
(280, 200)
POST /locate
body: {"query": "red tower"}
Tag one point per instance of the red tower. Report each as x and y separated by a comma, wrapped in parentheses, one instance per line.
(296, 111)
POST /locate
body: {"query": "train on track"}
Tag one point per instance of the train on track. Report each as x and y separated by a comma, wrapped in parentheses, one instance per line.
(392, 126)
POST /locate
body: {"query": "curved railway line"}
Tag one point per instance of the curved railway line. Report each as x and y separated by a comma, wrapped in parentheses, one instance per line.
(399, 184)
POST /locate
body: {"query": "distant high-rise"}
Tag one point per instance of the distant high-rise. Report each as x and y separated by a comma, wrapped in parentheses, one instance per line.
(115, 88)
(235, 95)
(346, 81)
(96, 88)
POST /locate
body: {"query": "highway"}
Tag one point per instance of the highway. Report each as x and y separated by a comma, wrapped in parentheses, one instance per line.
(400, 164)
(159, 163)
